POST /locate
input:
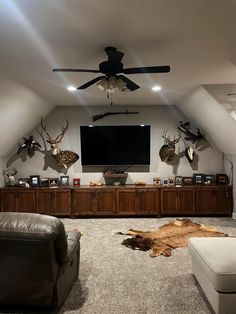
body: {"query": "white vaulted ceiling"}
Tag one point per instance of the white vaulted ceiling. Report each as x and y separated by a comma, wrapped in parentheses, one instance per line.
(196, 38)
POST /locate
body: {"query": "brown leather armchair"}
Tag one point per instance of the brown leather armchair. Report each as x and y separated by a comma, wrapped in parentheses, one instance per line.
(39, 262)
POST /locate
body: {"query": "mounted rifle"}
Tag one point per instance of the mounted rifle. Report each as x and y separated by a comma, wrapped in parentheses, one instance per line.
(101, 116)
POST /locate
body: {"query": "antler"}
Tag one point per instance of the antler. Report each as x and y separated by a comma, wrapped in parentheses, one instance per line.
(45, 130)
(8, 173)
(167, 139)
(63, 131)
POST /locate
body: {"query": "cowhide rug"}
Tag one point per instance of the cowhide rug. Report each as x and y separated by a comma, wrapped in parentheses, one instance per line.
(168, 237)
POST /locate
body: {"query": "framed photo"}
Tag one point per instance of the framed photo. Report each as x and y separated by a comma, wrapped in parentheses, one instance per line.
(76, 182)
(178, 181)
(165, 182)
(187, 180)
(34, 181)
(209, 179)
(171, 181)
(198, 178)
(44, 182)
(156, 181)
(222, 179)
(54, 182)
(64, 180)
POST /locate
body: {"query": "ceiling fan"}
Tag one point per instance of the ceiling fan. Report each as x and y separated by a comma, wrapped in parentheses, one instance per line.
(112, 69)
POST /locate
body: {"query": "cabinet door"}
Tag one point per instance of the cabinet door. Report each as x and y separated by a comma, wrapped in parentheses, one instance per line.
(205, 200)
(148, 202)
(169, 201)
(25, 201)
(45, 202)
(83, 200)
(8, 200)
(62, 202)
(126, 201)
(186, 201)
(224, 204)
(105, 202)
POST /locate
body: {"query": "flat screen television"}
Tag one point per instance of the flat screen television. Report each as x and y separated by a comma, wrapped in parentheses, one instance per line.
(115, 145)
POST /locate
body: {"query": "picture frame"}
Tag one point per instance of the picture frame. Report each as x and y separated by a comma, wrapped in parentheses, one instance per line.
(198, 178)
(178, 181)
(157, 181)
(34, 180)
(44, 182)
(187, 180)
(165, 182)
(222, 179)
(64, 180)
(54, 182)
(209, 179)
(171, 181)
(76, 182)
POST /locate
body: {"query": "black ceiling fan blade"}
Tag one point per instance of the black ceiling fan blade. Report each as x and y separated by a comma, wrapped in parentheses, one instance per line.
(129, 84)
(89, 83)
(154, 69)
(75, 70)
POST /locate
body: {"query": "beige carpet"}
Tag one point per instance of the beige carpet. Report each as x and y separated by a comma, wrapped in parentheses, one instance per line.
(115, 279)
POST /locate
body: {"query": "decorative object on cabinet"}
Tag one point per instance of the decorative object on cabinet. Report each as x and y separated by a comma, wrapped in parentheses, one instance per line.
(9, 176)
(64, 158)
(157, 181)
(209, 179)
(167, 150)
(110, 178)
(54, 182)
(30, 144)
(24, 182)
(171, 181)
(187, 180)
(64, 180)
(76, 182)
(140, 183)
(178, 181)
(222, 179)
(44, 182)
(34, 180)
(165, 182)
(198, 178)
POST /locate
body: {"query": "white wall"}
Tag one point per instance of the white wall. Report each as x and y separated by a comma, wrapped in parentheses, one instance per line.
(159, 117)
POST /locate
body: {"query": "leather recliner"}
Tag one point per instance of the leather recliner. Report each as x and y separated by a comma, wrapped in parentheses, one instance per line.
(39, 262)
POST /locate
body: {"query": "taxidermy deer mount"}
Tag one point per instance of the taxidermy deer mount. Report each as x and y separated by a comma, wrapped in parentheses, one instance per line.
(10, 176)
(190, 136)
(167, 151)
(64, 158)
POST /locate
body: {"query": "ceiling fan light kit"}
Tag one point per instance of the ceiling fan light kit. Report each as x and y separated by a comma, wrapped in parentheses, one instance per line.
(113, 80)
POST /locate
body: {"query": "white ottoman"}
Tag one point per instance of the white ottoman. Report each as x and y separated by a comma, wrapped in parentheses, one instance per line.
(214, 266)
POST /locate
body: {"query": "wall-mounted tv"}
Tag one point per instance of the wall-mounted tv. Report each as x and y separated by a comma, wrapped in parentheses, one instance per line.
(115, 145)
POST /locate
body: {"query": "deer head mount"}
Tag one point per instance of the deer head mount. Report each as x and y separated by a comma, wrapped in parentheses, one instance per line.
(167, 151)
(64, 158)
(10, 175)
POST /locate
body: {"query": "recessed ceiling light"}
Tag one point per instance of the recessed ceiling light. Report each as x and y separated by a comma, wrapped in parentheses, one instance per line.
(156, 88)
(71, 88)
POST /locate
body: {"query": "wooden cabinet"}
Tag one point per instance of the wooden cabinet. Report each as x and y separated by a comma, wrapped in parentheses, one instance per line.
(178, 201)
(126, 201)
(137, 201)
(214, 200)
(55, 202)
(93, 201)
(18, 200)
(148, 202)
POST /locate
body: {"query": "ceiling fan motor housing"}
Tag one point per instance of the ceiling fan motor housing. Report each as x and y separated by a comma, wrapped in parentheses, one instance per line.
(110, 68)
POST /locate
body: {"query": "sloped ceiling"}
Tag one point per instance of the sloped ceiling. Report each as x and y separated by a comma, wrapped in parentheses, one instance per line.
(196, 38)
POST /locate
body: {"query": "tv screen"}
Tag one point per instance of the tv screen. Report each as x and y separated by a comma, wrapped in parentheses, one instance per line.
(115, 145)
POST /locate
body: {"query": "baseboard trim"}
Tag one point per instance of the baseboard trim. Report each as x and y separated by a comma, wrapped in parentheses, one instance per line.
(234, 215)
